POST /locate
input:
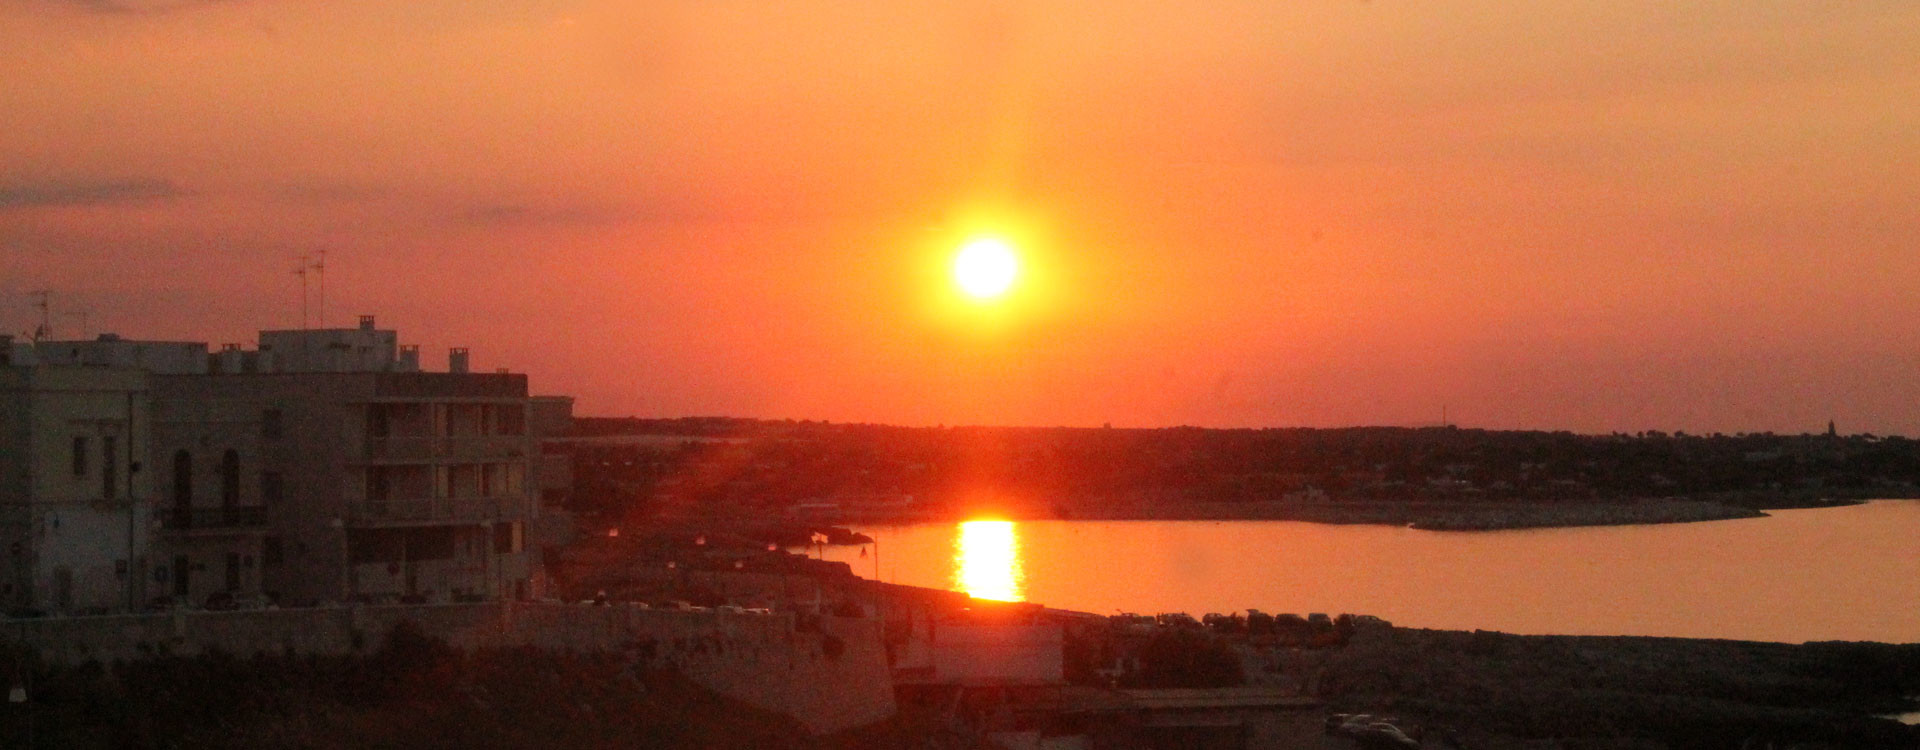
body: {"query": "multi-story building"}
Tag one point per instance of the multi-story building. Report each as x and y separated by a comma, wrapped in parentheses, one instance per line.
(324, 466)
(553, 527)
(74, 493)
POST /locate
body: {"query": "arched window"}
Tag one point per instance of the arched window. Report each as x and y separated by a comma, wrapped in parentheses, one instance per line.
(182, 485)
(230, 478)
(182, 478)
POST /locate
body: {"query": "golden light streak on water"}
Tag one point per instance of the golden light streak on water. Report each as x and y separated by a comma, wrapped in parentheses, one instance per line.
(986, 561)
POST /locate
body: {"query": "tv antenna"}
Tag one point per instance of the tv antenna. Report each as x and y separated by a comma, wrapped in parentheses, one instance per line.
(320, 269)
(83, 315)
(44, 305)
(300, 270)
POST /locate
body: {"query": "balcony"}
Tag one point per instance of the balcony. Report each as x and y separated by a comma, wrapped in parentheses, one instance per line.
(414, 511)
(253, 518)
(433, 448)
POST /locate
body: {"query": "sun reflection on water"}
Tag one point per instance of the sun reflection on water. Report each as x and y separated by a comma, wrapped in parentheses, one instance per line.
(986, 561)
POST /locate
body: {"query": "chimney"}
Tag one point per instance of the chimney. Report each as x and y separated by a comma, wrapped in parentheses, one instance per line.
(457, 360)
(366, 322)
(409, 359)
(230, 356)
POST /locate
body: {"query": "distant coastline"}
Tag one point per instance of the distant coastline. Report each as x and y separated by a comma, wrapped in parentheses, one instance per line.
(1424, 515)
(1434, 478)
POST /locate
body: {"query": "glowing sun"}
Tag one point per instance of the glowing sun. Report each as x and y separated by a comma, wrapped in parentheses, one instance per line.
(985, 268)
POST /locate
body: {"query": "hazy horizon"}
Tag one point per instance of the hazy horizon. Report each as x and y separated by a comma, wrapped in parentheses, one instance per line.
(1596, 217)
(1451, 423)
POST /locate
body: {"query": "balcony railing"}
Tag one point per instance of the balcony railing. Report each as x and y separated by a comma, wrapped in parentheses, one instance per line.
(191, 519)
(426, 448)
(438, 509)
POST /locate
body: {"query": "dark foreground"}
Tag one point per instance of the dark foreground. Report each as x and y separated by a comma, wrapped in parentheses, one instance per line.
(1500, 690)
(413, 692)
(1477, 689)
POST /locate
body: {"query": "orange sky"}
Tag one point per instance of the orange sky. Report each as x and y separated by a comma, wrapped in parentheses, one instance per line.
(1593, 216)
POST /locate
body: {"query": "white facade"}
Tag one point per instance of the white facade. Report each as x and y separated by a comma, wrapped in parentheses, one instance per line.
(322, 466)
(361, 349)
(74, 488)
(109, 350)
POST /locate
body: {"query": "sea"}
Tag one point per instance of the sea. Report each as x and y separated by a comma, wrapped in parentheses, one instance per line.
(1849, 573)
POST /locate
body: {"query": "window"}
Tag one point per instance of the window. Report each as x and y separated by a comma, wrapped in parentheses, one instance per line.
(182, 480)
(271, 487)
(109, 460)
(79, 456)
(270, 424)
(431, 543)
(230, 478)
(507, 538)
(270, 551)
(513, 419)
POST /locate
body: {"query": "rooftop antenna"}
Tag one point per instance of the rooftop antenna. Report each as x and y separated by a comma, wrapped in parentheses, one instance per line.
(42, 303)
(82, 315)
(320, 269)
(300, 270)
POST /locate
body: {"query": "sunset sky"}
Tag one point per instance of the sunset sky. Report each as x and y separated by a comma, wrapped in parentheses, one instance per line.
(1594, 216)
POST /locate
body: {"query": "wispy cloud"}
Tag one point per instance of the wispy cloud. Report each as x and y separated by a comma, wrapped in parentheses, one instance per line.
(504, 214)
(147, 7)
(80, 193)
(325, 192)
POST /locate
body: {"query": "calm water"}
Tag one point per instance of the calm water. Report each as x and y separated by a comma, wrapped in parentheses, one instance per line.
(1829, 574)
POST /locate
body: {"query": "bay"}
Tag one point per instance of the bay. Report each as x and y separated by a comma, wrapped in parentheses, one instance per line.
(1848, 573)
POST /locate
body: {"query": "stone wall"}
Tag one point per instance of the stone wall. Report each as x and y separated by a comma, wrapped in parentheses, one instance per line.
(828, 673)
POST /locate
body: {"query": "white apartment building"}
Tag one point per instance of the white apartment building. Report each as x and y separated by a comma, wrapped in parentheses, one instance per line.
(322, 466)
(74, 485)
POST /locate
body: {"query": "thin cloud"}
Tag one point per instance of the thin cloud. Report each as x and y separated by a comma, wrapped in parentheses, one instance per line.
(505, 214)
(325, 192)
(59, 193)
(140, 7)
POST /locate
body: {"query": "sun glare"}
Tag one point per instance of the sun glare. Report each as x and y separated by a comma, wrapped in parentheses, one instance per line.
(986, 561)
(986, 268)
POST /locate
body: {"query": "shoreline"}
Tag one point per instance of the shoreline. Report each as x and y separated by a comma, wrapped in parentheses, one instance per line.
(1421, 515)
